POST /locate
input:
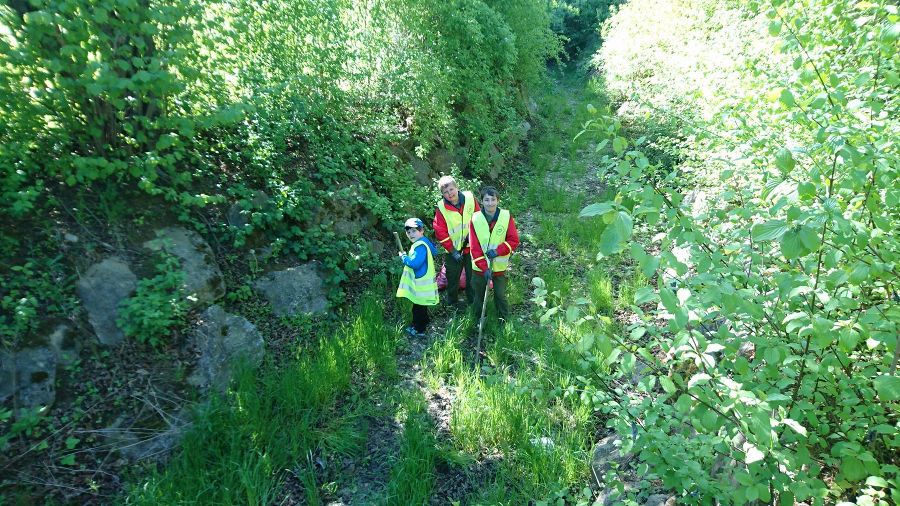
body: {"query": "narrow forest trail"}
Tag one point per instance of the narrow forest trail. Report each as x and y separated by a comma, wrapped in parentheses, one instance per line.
(511, 432)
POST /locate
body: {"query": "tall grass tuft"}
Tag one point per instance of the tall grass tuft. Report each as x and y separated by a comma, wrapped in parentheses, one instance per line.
(601, 290)
(628, 287)
(412, 476)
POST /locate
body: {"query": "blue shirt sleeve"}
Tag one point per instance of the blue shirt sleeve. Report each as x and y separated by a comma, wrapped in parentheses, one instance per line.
(418, 258)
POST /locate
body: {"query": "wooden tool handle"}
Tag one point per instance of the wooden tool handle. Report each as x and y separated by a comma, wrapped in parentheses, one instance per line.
(399, 244)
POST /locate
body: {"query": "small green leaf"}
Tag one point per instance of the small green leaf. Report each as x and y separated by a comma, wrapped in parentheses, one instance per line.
(700, 377)
(683, 404)
(787, 98)
(644, 295)
(784, 160)
(649, 264)
(586, 343)
(852, 468)
(600, 208)
(791, 247)
(799, 429)
(68, 460)
(876, 481)
(809, 238)
(806, 189)
(752, 453)
(667, 384)
(669, 300)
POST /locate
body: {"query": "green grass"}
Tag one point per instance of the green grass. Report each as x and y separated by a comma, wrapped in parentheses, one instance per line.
(560, 280)
(516, 411)
(444, 358)
(412, 476)
(627, 288)
(276, 419)
(601, 290)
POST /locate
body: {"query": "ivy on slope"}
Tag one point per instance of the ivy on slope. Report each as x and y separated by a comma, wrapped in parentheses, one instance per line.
(293, 111)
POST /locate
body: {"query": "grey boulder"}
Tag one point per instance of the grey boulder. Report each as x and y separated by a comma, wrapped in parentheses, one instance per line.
(101, 289)
(223, 338)
(202, 277)
(30, 375)
(293, 291)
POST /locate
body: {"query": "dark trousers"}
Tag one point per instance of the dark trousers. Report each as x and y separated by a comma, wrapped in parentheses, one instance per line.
(420, 317)
(500, 301)
(454, 269)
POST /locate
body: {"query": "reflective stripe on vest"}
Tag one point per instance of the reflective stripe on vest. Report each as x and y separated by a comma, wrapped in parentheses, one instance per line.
(458, 224)
(490, 239)
(424, 290)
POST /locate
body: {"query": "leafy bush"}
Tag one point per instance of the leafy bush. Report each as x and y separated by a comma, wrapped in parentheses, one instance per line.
(158, 307)
(31, 292)
(88, 95)
(779, 380)
(210, 103)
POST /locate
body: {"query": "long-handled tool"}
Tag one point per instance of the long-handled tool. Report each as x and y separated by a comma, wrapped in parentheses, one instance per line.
(399, 244)
(487, 287)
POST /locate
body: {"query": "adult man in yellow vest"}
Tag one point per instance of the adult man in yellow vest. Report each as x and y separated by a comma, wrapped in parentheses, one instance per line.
(418, 282)
(451, 229)
(493, 237)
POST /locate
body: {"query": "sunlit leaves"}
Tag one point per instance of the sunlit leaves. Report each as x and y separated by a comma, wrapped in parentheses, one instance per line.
(769, 230)
(888, 387)
(772, 293)
(614, 236)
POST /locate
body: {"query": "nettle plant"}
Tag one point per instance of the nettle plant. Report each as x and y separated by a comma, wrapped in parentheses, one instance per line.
(767, 351)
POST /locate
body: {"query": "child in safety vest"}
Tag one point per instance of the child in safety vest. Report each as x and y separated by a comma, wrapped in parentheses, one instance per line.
(493, 237)
(418, 282)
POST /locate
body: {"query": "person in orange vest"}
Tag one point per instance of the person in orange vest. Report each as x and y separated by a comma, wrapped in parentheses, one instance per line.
(451, 229)
(493, 237)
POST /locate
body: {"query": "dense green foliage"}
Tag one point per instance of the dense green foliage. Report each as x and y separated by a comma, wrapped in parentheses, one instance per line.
(738, 328)
(304, 115)
(768, 348)
(158, 306)
(578, 22)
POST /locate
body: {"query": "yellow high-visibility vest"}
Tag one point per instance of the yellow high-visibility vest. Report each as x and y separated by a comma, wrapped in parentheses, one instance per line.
(422, 291)
(490, 239)
(458, 225)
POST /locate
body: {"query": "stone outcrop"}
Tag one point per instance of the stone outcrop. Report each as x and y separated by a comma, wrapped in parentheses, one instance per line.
(30, 375)
(202, 278)
(101, 289)
(223, 338)
(294, 291)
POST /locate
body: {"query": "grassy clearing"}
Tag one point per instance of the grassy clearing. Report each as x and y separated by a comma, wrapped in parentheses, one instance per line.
(275, 422)
(519, 410)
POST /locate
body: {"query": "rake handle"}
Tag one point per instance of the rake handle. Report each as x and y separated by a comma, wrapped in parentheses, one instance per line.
(487, 288)
(399, 244)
